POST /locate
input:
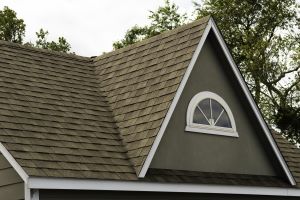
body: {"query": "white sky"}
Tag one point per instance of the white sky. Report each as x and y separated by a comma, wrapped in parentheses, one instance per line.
(90, 26)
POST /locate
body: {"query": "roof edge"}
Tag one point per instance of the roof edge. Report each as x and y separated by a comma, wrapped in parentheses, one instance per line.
(13, 163)
(109, 185)
(44, 51)
(145, 41)
(253, 104)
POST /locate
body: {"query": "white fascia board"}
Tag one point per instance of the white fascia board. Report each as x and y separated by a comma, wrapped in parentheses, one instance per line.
(252, 103)
(13, 163)
(175, 101)
(109, 185)
(212, 26)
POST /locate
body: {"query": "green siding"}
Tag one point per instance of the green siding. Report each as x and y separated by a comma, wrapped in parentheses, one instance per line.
(183, 150)
(11, 185)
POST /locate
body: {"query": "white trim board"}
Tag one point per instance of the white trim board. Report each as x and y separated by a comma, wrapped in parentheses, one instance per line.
(212, 26)
(108, 185)
(13, 163)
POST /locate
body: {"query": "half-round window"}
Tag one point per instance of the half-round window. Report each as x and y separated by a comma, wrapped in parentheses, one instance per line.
(209, 113)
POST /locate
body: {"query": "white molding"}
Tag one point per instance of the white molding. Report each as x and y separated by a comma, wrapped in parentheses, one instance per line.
(108, 185)
(27, 192)
(208, 129)
(174, 102)
(252, 103)
(222, 132)
(13, 163)
(212, 26)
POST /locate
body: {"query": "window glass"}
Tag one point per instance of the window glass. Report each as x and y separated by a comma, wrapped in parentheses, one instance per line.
(210, 112)
(199, 118)
(224, 121)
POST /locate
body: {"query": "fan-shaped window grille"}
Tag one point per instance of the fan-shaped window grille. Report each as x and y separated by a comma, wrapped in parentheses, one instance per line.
(209, 113)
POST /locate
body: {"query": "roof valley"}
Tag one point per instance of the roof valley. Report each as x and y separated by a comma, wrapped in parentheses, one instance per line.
(140, 82)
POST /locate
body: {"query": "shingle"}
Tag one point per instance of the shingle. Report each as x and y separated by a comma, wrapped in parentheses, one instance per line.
(54, 119)
(64, 115)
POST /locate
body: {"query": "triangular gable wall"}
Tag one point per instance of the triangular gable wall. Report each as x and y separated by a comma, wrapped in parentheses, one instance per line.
(212, 27)
(187, 148)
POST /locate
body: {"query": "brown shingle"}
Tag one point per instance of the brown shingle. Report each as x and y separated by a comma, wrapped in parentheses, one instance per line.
(141, 80)
(64, 115)
(54, 119)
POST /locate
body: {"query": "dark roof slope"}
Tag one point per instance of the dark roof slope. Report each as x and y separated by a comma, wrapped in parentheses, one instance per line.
(54, 120)
(140, 82)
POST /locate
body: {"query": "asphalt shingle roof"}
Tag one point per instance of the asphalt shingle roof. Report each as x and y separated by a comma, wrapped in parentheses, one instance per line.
(63, 115)
(53, 118)
(140, 83)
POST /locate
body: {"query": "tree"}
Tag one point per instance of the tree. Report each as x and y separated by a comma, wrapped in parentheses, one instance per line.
(164, 18)
(263, 36)
(12, 29)
(62, 45)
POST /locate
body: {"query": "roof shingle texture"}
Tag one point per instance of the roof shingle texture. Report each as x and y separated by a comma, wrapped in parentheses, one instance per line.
(291, 155)
(53, 118)
(140, 82)
(66, 116)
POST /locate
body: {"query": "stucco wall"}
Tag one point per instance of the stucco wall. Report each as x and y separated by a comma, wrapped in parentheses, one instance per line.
(11, 185)
(210, 153)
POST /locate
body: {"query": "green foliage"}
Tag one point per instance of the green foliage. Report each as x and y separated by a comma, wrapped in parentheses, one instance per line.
(263, 36)
(164, 18)
(62, 45)
(132, 36)
(11, 28)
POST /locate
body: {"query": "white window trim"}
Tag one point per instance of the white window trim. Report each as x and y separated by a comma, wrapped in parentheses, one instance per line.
(208, 129)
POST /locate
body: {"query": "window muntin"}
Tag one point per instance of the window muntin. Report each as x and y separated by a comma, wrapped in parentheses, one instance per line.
(209, 113)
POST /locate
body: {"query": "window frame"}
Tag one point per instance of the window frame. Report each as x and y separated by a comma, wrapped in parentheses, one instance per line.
(209, 129)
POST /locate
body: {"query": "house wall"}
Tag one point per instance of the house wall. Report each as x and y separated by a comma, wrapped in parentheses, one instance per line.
(113, 195)
(183, 150)
(11, 185)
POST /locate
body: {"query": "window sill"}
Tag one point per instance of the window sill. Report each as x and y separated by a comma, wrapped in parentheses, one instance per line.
(212, 131)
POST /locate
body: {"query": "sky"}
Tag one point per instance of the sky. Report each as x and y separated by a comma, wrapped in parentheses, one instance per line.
(90, 26)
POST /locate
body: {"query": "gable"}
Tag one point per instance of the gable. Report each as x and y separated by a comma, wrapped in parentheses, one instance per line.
(183, 150)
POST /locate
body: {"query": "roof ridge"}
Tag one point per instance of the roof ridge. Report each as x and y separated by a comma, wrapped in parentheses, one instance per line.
(146, 40)
(44, 51)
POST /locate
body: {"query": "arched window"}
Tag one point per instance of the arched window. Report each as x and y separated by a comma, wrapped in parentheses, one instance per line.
(209, 113)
